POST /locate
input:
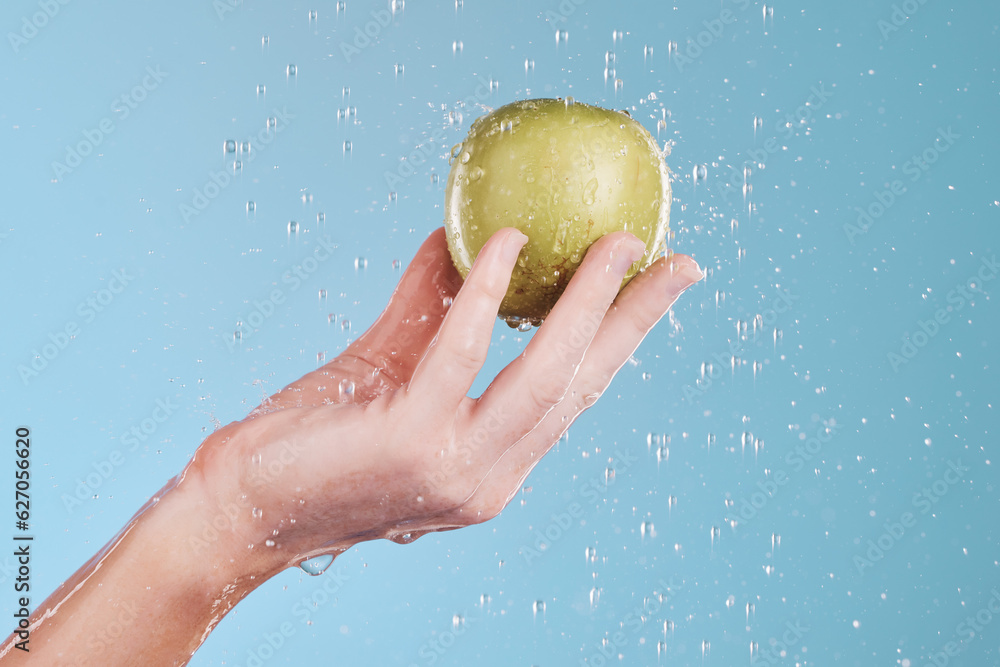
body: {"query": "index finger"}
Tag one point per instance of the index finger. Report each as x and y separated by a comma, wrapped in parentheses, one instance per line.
(455, 356)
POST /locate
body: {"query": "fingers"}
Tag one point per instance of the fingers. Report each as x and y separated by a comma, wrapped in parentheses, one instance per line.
(529, 387)
(455, 356)
(390, 349)
(397, 340)
(636, 310)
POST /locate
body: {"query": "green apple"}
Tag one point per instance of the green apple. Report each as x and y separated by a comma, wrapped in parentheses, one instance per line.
(565, 174)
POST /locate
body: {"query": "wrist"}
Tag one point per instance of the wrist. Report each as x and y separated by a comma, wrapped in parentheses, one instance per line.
(222, 530)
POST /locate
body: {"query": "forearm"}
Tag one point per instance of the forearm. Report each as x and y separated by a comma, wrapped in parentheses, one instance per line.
(150, 596)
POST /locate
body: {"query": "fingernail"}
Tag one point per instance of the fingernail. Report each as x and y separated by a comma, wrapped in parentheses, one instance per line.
(512, 246)
(687, 273)
(627, 253)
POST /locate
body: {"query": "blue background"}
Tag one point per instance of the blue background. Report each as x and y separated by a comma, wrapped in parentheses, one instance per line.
(847, 94)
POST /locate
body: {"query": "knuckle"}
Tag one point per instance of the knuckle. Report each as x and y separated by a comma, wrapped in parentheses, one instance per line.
(642, 319)
(486, 287)
(544, 394)
(467, 356)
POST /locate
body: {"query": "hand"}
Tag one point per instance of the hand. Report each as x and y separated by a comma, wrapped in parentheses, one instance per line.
(384, 442)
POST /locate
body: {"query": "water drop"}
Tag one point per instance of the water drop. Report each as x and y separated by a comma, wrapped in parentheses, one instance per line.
(251, 207)
(313, 15)
(293, 227)
(360, 264)
(392, 197)
(345, 92)
(538, 607)
(590, 192)
(456, 47)
(345, 324)
(320, 217)
(257, 513)
(647, 528)
(398, 67)
(269, 543)
(457, 621)
(347, 147)
(476, 173)
(291, 70)
(396, 6)
(465, 157)
(229, 146)
(261, 90)
(322, 294)
(346, 390)
(316, 566)
(396, 265)
(341, 7)
(700, 173)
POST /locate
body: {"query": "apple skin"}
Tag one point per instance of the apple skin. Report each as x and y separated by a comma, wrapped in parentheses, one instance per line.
(565, 174)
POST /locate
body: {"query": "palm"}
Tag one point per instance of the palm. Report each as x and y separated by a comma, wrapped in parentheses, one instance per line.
(391, 416)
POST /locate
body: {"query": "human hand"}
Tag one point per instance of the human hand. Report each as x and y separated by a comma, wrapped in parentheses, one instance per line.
(384, 442)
